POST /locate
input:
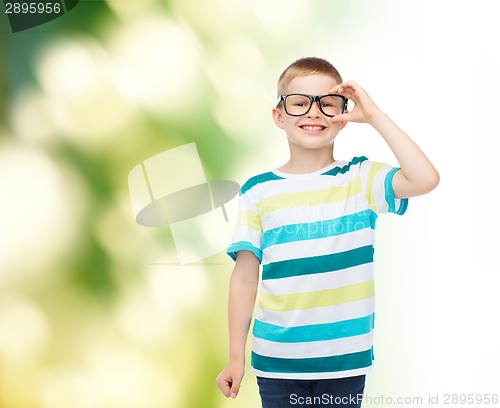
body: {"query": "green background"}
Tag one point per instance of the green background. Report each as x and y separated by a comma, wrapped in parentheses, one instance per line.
(95, 312)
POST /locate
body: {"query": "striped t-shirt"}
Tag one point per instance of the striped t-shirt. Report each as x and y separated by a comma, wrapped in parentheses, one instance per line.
(314, 235)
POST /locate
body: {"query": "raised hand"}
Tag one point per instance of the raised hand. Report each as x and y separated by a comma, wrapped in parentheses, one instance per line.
(364, 107)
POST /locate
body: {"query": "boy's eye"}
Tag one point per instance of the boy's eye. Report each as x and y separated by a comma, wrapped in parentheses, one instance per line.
(298, 101)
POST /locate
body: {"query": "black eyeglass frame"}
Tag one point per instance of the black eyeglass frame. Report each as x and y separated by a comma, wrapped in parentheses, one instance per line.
(312, 99)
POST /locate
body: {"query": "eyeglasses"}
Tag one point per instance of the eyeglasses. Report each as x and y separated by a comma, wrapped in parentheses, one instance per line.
(300, 104)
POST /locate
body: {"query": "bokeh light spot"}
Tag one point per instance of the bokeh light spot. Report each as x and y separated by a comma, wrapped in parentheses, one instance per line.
(39, 213)
(160, 58)
(24, 330)
(77, 76)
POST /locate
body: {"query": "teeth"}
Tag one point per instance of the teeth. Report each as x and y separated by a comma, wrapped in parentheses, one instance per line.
(313, 128)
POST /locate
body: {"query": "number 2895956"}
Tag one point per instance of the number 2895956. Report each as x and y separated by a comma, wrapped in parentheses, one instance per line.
(33, 8)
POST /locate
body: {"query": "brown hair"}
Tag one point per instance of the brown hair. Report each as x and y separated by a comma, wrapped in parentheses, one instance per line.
(307, 66)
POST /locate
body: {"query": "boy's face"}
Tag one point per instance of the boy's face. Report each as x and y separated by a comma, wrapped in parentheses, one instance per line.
(314, 129)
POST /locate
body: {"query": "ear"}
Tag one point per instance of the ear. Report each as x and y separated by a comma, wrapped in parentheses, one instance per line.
(278, 118)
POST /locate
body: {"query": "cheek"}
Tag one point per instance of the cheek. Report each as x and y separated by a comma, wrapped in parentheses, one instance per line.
(288, 124)
(337, 125)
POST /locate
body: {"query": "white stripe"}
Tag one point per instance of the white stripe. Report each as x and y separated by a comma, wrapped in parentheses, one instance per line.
(318, 247)
(313, 349)
(243, 233)
(313, 376)
(318, 315)
(318, 281)
(378, 188)
(268, 188)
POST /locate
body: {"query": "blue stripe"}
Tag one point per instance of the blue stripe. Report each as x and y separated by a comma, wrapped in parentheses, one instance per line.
(243, 245)
(389, 194)
(319, 229)
(269, 176)
(342, 362)
(261, 178)
(314, 332)
(345, 169)
(318, 264)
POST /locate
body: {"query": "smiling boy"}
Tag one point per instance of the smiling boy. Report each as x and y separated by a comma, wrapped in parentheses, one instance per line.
(311, 224)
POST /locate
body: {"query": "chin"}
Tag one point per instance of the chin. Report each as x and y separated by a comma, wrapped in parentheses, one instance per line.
(313, 144)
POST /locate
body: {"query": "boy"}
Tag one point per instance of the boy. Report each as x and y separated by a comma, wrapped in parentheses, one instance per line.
(310, 223)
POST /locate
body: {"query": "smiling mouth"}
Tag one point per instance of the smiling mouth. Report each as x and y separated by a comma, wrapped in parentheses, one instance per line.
(311, 128)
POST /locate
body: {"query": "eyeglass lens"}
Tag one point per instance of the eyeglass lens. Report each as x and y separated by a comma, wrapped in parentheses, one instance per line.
(299, 104)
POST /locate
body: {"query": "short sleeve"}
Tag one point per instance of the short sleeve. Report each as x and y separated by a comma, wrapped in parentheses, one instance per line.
(248, 231)
(376, 182)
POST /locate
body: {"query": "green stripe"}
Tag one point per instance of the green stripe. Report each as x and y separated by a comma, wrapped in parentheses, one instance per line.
(249, 219)
(318, 264)
(309, 198)
(261, 178)
(375, 168)
(342, 362)
(318, 298)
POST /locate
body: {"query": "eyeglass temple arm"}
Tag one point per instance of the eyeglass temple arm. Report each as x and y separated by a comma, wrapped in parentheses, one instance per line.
(278, 101)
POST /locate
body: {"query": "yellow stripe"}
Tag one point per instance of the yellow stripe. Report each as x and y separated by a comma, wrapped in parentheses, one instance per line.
(369, 186)
(249, 219)
(309, 198)
(327, 297)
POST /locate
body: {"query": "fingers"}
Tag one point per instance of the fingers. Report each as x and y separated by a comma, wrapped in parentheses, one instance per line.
(363, 105)
(224, 385)
(348, 89)
(348, 93)
(228, 386)
(348, 85)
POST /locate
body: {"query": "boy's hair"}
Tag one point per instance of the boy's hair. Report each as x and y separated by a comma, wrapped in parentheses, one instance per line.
(307, 66)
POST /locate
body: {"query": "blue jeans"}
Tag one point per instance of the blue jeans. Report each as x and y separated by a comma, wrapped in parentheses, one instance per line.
(336, 392)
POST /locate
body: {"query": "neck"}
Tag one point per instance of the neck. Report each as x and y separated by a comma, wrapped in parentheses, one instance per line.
(303, 161)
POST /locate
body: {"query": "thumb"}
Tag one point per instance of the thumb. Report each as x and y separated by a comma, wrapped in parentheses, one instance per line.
(235, 387)
(342, 117)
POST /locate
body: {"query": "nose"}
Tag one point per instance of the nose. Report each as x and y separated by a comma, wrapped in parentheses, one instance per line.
(314, 111)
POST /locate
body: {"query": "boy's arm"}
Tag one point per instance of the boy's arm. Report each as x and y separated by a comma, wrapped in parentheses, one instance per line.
(417, 175)
(242, 292)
